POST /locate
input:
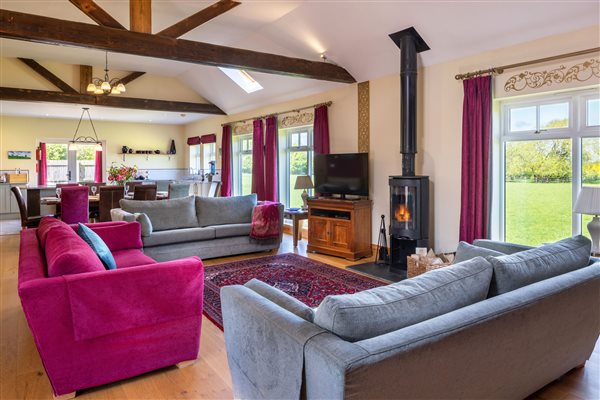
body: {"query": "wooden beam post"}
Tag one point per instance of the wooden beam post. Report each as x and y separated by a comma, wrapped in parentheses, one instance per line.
(49, 76)
(140, 16)
(197, 19)
(97, 13)
(85, 77)
(108, 101)
(39, 29)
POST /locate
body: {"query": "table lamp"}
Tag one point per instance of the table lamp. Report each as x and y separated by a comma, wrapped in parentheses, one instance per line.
(304, 182)
(588, 202)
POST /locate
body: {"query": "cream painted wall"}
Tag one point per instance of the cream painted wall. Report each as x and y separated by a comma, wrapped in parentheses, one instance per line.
(17, 133)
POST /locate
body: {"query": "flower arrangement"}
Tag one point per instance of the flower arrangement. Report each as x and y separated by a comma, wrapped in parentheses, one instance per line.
(121, 174)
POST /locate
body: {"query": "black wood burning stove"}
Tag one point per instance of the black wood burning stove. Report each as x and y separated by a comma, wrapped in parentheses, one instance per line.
(409, 194)
(409, 217)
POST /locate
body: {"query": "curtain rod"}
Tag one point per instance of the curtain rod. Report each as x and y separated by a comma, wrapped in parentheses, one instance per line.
(328, 103)
(500, 70)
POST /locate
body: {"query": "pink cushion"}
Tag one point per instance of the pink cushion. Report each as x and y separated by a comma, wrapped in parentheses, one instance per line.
(67, 253)
(131, 258)
(46, 224)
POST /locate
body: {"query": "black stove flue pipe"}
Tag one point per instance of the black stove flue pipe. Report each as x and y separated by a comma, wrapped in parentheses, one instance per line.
(410, 43)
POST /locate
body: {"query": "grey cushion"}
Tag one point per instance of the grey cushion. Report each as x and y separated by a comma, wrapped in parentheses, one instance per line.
(165, 214)
(282, 299)
(385, 309)
(466, 251)
(145, 223)
(178, 236)
(232, 230)
(526, 267)
(225, 210)
(502, 247)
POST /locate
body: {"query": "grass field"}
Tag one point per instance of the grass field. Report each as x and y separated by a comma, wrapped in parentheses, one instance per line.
(538, 213)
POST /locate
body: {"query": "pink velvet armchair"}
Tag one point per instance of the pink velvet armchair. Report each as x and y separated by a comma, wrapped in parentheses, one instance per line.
(98, 327)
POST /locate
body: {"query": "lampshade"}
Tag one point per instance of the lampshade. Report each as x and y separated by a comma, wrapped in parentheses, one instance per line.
(588, 201)
(303, 182)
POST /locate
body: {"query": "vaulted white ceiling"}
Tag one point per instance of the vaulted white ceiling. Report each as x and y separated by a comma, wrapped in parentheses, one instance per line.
(353, 34)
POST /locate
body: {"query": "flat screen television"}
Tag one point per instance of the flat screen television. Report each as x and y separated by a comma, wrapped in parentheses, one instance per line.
(342, 174)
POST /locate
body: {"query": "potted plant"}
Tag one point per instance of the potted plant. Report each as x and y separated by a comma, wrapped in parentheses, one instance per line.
(122, 174)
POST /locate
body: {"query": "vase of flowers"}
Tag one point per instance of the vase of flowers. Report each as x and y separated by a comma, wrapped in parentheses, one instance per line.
(121, 174)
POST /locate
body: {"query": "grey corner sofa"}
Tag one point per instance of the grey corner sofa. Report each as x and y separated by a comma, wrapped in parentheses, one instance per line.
(491, 327)
(206, 227)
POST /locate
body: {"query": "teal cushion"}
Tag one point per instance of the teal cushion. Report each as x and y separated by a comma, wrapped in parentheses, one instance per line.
(466, 251)
(98, 245)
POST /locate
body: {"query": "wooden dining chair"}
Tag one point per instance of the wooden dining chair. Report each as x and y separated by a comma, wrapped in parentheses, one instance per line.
(177, 190)
(109, 199)
(144, 192)
(75, 205)
(26, 222)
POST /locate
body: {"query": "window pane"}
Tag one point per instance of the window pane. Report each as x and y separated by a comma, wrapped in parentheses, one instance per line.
(295, 141)
(58, 165)
(590, 171)
(523, 119)
(593, 112)
(304, 139)
(246, 175)
(553, 116)
(538, 191)
(86, 161)
(298, 167)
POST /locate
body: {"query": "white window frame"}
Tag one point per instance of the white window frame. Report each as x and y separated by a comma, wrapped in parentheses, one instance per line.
(286, 150)
(576, 132)
(72, 160)
(199, 157)
(237, 161)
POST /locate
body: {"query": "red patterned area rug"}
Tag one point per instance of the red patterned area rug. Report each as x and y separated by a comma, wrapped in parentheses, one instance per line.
(307, 280)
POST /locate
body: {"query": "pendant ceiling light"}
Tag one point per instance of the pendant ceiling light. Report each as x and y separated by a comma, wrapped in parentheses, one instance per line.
(78, 141)
(106, 85)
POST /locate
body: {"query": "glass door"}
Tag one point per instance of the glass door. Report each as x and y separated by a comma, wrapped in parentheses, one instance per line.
(66, 165)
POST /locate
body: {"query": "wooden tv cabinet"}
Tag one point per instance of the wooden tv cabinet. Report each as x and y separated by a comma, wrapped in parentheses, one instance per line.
(340, 227)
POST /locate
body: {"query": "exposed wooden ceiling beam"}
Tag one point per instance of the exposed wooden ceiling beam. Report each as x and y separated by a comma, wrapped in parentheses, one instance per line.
(107, 101)
(85, 77)
(134, 75)
(97, 13)
(35, 28)
(49, 76)
(102, 18)
(195, 20)
(140, 16)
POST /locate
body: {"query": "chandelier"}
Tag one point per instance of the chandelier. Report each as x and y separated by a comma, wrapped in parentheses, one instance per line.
(106, 85)
(78, 141)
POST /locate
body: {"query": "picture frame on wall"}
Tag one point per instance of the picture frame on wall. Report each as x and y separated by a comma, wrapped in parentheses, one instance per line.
(19, 155)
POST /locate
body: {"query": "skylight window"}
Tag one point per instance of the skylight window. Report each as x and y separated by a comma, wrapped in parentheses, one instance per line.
(242, 79)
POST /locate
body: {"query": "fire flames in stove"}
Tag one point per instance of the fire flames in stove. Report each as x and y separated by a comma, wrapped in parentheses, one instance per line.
(402, 213)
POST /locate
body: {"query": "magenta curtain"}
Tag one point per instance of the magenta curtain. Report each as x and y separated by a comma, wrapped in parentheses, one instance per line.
(258, 160)
(271, 159)
(321, 130)
(191, 141)
(476, 132)
(98, 167)
(43, 166)
(226, 161)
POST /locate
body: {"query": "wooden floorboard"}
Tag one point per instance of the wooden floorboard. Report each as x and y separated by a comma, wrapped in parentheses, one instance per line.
(23, 377)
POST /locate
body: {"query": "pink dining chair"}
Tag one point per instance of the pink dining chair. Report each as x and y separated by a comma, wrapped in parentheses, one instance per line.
(74, 204)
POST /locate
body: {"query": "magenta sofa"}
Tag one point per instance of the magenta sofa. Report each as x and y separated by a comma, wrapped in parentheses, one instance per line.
(93, 328)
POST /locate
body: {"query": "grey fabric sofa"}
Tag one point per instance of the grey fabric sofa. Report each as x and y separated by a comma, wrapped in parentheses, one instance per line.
(441, 335)
(206, 227)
